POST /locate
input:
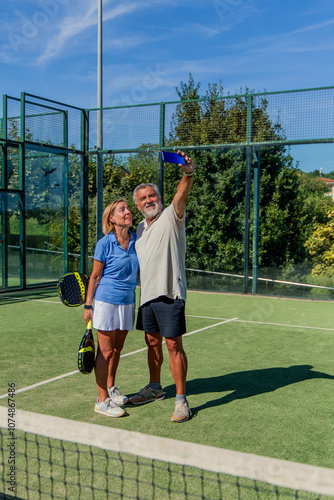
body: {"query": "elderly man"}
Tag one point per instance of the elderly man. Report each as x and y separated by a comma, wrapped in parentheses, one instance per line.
(161, 248)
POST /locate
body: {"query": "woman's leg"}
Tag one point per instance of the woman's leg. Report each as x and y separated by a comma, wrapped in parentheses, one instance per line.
(110, 344)
(118, 339)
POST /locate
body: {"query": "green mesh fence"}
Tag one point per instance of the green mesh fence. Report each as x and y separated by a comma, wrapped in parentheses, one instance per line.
(248, 215)
(266, 118)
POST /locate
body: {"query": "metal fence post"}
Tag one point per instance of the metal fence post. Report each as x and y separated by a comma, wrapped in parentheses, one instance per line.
(161, 145)
(4, 215)
(256, 220)
(247, 190)
(23, 253)
(84, 193)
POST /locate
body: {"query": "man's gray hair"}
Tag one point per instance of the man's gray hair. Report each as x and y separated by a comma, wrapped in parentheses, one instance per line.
(143, 186)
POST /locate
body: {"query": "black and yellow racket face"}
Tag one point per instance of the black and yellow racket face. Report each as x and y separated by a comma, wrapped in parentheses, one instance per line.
(86, 354)
(72, 289)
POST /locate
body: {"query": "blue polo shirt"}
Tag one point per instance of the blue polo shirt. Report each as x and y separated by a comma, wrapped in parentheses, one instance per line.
(119, 278)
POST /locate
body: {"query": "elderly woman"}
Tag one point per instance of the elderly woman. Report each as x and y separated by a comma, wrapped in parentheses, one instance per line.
(112, 286)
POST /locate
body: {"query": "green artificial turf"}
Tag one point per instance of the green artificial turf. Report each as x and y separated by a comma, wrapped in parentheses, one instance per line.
(260, 381)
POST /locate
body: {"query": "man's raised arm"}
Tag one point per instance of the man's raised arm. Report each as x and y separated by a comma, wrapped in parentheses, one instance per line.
(184, 186)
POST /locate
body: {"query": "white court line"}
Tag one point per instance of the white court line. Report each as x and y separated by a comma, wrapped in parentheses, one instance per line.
(203, 317)
(286, 326)
(185, 335)
(211, 326)
(122, 356)
(266, 323)
(32, 300)
(41, 383)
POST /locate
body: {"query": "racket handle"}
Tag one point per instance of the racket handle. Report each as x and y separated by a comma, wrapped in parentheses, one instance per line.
(89, 324)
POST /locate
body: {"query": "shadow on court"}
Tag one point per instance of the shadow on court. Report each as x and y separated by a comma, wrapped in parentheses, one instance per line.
(246, 384)
(26, 295)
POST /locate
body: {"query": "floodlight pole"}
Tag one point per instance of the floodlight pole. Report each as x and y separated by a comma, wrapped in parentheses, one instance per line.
(99, 145)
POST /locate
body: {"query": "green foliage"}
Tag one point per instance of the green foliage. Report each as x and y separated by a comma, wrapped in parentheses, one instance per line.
(120, 177)
(293, 206)
(320, 246)
(215, 212)
(216, 120)
(290, 202)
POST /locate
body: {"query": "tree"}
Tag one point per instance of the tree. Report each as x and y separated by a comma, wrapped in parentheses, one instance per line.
(320, 246)
(290, 201)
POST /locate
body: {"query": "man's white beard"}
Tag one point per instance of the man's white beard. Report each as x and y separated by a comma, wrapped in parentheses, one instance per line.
(151, 213)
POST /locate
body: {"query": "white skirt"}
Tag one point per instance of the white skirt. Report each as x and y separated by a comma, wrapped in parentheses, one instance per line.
(109, 317)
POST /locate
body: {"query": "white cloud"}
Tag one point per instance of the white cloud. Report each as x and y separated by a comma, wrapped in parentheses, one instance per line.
(287, 36)
(74, 25)
(313, 27)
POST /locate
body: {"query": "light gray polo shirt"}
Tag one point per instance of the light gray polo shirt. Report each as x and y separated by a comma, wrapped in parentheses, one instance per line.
(161, 251)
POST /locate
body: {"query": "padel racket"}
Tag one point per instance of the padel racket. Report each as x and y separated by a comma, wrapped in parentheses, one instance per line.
(86, 354)
(72, 289)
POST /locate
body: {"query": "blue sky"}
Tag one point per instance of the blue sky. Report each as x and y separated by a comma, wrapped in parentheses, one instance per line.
(49, 48)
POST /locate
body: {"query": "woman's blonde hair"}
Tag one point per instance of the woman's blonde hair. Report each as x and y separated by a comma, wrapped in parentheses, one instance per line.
(107, 225)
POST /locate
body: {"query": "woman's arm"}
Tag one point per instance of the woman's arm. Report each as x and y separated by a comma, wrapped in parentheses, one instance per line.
(94, 280)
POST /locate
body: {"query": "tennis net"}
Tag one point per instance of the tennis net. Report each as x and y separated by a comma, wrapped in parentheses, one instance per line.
(50, 457)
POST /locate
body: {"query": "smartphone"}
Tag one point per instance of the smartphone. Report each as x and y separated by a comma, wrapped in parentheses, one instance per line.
(172, 157)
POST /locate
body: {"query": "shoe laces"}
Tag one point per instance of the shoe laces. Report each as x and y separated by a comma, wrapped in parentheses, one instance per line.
(115, 390)
(145, 389)
(108, 402)
(181, 406)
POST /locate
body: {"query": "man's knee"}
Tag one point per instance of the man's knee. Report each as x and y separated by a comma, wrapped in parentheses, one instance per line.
(174, 345)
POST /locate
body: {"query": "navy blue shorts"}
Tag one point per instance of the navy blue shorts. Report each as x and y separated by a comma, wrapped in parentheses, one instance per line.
(162, 315)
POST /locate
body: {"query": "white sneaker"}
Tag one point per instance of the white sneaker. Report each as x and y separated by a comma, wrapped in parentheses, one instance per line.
(116, 396)
(108, 408)
(182, 411)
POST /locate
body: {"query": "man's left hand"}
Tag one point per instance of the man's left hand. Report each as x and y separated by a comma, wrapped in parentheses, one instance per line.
(188, 166)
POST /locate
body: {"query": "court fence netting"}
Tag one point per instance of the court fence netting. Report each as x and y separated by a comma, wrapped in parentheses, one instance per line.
(251, 211)
(44, 457)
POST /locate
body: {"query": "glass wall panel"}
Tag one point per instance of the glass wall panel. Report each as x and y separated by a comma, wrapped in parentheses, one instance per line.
(10, 240)
(2, 162)
(44, 182)
(13, 168)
